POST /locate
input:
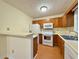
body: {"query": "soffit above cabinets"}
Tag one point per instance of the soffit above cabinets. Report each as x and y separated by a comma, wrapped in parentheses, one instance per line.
(32, 7)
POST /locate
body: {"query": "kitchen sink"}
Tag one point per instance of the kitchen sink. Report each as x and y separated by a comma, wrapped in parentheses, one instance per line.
(67, 37)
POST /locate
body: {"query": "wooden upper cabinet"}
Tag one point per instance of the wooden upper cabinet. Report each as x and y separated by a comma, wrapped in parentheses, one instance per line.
(41, 22)
(54, 21)
(34, 22)
(64, 21)
(60, 23)
(70, 19)
(57, 22)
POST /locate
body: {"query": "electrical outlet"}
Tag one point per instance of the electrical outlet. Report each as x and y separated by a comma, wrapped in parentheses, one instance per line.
(8, 28)
(12, 51)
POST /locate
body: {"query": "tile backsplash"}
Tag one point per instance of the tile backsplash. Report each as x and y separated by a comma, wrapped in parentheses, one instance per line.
(65, 30)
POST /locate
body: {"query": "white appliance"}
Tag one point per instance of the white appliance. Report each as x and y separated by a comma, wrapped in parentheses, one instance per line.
(48, 26)
(47, 34)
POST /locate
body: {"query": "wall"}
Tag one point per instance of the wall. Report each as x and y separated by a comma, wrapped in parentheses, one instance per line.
(3, 46)
(13, 19)
(16, 21)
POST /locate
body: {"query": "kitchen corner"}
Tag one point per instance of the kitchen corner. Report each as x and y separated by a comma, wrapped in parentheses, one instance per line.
(72, 43)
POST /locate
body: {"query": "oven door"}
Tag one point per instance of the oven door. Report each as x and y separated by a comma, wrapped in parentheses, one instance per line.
(47, 37)
(47, 40)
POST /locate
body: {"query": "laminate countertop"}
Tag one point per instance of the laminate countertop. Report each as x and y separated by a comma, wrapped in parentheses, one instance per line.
(72, 43)
(15, 34)
(35, 35)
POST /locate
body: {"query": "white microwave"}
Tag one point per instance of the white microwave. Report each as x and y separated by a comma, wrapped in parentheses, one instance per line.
(48, 25)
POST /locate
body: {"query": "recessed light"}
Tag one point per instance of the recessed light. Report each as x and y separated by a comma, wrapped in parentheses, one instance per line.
(43, 8)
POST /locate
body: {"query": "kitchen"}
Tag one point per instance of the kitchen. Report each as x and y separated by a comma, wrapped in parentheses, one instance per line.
(49, 33)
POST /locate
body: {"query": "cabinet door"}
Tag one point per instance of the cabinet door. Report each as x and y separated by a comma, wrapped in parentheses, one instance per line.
(55, 40)
(40, 38)
(64, 21)
(60, 23)
(61, 46)
(70, 19)
(35, 46)
(54, 21)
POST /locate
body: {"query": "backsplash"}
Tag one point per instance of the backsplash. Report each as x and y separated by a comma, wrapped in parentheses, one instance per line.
(65, 30)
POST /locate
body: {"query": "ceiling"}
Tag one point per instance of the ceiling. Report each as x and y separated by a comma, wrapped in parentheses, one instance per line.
(32, 7)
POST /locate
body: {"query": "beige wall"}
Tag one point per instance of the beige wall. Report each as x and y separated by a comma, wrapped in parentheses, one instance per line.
(14, 19)
(3, 46)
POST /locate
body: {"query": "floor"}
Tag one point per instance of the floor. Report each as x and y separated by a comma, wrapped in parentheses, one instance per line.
(46, 52)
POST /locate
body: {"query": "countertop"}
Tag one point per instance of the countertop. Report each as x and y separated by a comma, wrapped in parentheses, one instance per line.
(72, 43)
(35, 35)
(15, 34)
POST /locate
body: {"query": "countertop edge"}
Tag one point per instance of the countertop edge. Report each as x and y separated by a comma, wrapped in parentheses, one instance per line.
(66, 41)
(34, 36)
(17, 34)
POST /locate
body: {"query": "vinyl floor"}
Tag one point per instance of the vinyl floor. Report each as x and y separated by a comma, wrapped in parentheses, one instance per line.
(46, 52)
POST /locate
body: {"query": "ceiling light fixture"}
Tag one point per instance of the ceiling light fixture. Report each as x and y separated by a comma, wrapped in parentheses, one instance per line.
(43, 8)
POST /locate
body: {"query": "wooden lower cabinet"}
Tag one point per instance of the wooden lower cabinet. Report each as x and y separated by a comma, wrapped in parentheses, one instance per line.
(61, 45)
(40, 38)
(35, 46)
(57, 40)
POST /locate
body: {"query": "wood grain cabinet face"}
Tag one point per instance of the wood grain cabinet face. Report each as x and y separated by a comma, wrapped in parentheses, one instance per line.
(57, 40)
(60, 23)
(64, 21)
(61, 45)
(54, 21)
(35, 46)
(40, 38)
(70, 19)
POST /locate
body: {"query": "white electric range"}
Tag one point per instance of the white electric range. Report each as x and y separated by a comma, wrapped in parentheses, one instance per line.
(47, 37)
